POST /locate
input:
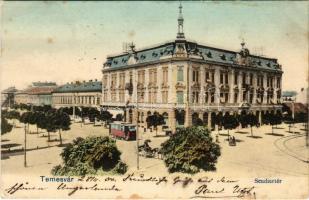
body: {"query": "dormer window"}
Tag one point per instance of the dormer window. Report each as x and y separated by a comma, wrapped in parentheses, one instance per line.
(268, 64)
(259, 63)
(222, 56)
(154, 54)
(143, 56)
(209, 54)
(115, 62)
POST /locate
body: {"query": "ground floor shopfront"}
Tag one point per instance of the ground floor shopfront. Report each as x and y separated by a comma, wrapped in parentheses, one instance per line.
(184, 116)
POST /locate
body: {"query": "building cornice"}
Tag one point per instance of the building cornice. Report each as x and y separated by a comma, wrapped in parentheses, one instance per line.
(236, 66)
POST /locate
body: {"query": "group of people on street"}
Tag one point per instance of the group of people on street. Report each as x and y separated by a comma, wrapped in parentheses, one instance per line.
(232, 140)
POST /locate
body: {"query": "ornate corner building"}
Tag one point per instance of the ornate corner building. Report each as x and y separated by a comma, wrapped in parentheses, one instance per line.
(184, 80)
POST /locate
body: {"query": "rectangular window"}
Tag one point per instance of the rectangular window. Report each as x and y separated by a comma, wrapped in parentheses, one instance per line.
(155, 76)
(278, 82)
(180, 73)
(180, 97)
(226, 97)
(236, 78)
(165, 75)
(206, 97)
(235, 97)
(226, 78)
(195, 96)
(244, 76)
(251, 79)
(251, 97)
(196, 76)
(244, 96)
(212, 99)
(207, 76)
(221, 78)
(193, 76)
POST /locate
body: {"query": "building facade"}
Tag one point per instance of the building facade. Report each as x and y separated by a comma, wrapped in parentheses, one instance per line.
(184, 80)
(37, 94)
(22, 97)
(86, 94)
(8, 97)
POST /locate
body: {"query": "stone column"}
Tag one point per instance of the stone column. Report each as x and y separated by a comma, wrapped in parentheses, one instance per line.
(146, 96)
(172, 120)
(275, 90)
(265, 87)
(117, 86)
(171, 88)
(134, 118)
(134, 82)
(240, 99)
(108, 87)
(126, 81)
(189, 77)
(217, 83)
(188, 117)
(254, 88)
(231, 85)
(158, 84)
(200, 115)
(209, 120)
(202, 84)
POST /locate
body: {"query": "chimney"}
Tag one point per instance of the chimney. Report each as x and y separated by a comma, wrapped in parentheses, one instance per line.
(90, 80)
(96, 80)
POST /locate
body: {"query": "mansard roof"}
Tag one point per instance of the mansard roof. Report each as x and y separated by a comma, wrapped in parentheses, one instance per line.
(206, 53)
(90, 86)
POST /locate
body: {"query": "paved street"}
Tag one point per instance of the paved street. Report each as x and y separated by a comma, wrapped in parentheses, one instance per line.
(264, 153)
(281, 155)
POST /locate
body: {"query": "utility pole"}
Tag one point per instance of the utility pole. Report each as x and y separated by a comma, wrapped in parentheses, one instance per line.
(25, 147)
(293, 112)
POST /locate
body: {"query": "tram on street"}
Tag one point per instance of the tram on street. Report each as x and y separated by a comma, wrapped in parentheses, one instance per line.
(121, 130)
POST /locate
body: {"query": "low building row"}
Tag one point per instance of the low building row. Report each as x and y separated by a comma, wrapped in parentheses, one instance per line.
(79, 93)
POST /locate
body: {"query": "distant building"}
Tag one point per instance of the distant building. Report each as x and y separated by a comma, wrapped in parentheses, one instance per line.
(37, 94)
(87, 94)
(8, 96)
(22, 97)
(288, 96)
(184, 81)
(296, 96)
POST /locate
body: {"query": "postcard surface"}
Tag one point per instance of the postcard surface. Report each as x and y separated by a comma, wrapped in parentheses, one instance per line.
(154, 100)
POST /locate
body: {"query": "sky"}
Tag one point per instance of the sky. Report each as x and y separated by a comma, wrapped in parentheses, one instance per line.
(68, 41)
